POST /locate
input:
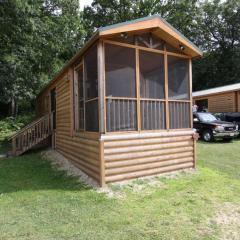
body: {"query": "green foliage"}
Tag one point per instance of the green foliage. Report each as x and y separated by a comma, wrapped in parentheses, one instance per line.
(219, 31)
(9, 125)
(181, 14)
(36, 38)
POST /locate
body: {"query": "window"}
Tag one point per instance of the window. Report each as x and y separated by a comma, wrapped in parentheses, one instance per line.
(202, 105)
(152, 83)
(120, 81)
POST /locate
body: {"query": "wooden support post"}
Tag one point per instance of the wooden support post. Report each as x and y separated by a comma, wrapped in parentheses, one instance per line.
(138, 91)
(194, 153)
(166, 87)
(102, 163)
(190, 92)
(101, 88)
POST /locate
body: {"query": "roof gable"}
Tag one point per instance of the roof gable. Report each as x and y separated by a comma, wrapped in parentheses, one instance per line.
(160, 28)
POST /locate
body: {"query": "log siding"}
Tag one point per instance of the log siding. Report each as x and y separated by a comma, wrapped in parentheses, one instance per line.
(145, 154)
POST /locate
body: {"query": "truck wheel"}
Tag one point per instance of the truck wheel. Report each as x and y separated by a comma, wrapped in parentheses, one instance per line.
(207, 136)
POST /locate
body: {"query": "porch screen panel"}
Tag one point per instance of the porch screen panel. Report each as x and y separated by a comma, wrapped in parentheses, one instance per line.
(179, 115)
(152, 92)
(152, 115)
(91, 73)
(91, 120)
(179, 93)
(121, 115)
(91, 90)
(120, 81)
(80, 98)
(120, 71)
(178, 78)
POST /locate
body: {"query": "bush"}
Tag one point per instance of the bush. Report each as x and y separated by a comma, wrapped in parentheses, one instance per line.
(9, 125)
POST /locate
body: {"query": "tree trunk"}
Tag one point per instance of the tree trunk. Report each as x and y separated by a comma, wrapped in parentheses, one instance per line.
(14, 107)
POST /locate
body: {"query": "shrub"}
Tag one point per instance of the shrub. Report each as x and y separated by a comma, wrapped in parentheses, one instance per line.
(9, 125)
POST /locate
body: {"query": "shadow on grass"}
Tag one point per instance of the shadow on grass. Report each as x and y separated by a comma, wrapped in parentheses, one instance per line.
(31, 172)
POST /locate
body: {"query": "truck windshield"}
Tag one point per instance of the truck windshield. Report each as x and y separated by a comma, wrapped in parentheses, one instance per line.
(206, 117)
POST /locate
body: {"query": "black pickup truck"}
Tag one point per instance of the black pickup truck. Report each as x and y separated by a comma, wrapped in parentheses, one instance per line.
(233, 117)
(210, 128)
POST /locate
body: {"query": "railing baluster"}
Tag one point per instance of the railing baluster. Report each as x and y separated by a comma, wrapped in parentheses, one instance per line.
(32, 134)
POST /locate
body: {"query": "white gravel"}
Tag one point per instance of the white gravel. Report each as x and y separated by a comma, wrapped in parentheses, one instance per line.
(62, 163)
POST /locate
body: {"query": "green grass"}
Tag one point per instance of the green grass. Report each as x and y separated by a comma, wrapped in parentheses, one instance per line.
(39, 202)
(221, 156)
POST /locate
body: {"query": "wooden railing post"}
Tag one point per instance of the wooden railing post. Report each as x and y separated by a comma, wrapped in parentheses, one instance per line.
(14, 146)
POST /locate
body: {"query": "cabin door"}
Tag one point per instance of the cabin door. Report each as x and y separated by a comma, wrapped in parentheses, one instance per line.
(53, 107)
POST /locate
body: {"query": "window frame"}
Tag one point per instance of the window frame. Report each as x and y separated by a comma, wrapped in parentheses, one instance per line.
(166, 100)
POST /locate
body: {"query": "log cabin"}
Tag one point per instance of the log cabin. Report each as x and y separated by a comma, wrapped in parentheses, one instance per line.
(219, 99)
(121, 108)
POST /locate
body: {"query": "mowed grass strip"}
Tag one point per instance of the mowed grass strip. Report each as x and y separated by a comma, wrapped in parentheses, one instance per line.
(40, 202)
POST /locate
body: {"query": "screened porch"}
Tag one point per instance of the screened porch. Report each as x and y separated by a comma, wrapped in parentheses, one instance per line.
(128, 83)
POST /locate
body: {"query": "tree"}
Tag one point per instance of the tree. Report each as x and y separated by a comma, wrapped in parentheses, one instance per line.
(36, 38)
(219, 26)
(181, 14)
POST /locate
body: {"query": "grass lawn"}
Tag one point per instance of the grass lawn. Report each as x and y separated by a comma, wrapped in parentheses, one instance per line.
(39, 202)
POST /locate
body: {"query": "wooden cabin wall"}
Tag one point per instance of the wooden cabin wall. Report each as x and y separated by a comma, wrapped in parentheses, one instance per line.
(43, 104)
(238, 101)
(225, 102)
(222, 103)
(147, 154)
(83, 152)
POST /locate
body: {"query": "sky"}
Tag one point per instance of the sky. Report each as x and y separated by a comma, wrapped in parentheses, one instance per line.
(84, 3)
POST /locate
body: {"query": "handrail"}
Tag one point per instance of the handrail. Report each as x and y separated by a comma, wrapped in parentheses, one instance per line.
(29, 125)
(32, 134)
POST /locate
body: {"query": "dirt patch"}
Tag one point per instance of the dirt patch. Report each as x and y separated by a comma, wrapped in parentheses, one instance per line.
(228, 218)
(61, 163)
(143, 186)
